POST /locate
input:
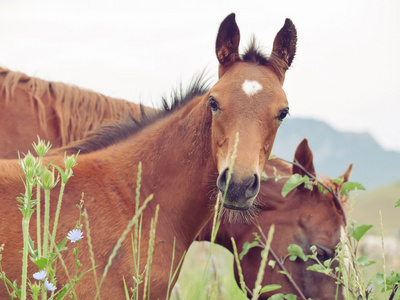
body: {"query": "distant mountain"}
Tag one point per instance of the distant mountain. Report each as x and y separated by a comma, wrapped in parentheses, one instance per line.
(334, 150)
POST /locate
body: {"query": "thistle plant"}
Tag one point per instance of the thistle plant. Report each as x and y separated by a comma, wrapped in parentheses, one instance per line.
(41, 149)
(37, 176)
(30, 166)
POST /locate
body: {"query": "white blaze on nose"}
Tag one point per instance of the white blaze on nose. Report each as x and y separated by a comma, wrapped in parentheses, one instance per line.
(251, 87)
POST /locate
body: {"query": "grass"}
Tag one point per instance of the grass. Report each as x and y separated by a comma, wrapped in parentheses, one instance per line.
(206, 275)
(368, 204)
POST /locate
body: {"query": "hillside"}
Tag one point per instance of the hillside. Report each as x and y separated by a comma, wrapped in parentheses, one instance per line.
(334, 150)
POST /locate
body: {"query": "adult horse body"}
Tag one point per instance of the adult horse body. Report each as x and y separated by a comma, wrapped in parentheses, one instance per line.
(181, 154)
(57, 112)
(303, 217)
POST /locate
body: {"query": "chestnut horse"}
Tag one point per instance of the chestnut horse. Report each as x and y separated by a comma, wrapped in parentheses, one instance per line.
(183, 152)
(57, 112)
(303, 217)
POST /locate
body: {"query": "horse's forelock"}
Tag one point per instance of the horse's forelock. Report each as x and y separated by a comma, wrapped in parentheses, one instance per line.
(253, 54)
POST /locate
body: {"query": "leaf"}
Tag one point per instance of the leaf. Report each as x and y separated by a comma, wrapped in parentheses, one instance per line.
(246, 247)
(31, 249)
(320, 269)
(327, 262)
(293, 182)
(392, 279)
(13, 285)
(295, 251)
(61, 245)
(397, 203)
(269, 288)
(379, 278)
(272, 263)
(291, 297)
(41, 263)
(351, 186)
(277, 297)
(264, 176)
(282, 272)
(359, 231)
(364, 261)
(339, 180)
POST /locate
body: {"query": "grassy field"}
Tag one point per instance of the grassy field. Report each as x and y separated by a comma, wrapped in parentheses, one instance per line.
(368, 204)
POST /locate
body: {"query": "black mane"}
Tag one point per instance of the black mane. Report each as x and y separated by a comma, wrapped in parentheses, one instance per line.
(105, 136)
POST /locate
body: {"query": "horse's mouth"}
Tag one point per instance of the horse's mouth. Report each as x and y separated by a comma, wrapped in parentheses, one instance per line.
(233, 207)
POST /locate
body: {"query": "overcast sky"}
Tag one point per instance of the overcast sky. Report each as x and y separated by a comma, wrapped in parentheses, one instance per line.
(346, 71)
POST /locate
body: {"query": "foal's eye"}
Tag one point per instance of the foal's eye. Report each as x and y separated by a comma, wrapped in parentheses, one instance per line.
(213, 103)
(283, 114)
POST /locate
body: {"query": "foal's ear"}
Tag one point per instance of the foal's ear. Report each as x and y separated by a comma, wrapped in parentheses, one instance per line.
(347, 173)
(227, 44)
(284, 48)
(304, 157)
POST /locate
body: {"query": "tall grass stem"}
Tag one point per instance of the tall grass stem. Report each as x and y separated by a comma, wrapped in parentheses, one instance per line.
(264, 259)
(58, 210)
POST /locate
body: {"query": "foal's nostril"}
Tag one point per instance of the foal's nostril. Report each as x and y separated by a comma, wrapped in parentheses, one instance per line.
(253, 187)
(221, 181)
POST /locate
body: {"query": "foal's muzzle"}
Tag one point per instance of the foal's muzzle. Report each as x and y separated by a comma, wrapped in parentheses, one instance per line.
(241, 192)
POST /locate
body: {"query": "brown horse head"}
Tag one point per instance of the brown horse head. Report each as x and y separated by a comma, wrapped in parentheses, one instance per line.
(247, 100)
(304, 217)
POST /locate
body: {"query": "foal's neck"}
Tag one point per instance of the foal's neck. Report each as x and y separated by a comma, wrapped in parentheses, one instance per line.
(177, 165)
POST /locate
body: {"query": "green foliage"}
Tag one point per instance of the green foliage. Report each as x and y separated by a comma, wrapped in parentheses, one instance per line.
(320, 268)
(347, 187)
(246, 247)
(359, 231)
(295, 251)
(364, 261)
(283, 297)
(270, 288)
(41, 177)
(264, 176)
(293, 182)
(397, 203)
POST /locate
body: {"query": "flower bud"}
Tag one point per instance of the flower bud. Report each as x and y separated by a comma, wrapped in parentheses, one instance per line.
(48, 180)
(29, 165)
(70, 161)
(41, 148)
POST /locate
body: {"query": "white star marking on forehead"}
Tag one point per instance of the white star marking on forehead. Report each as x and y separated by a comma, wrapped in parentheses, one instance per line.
(251, 87)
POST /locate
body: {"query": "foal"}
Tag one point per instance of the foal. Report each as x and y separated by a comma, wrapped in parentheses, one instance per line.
(181, 151)
(303, 217)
